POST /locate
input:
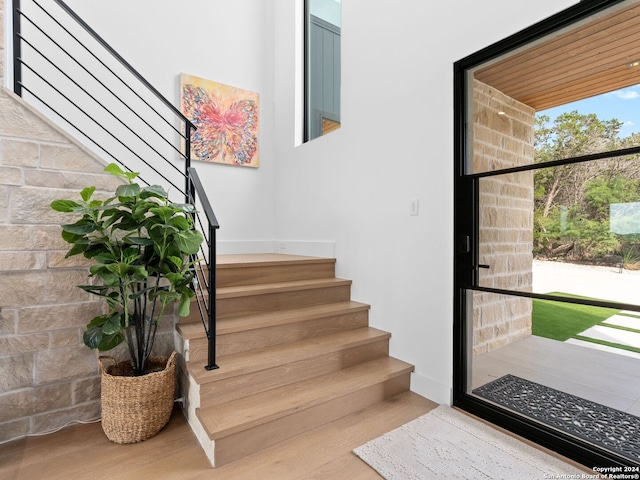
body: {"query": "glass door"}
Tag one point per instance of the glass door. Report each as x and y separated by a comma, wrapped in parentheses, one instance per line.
(547, 205)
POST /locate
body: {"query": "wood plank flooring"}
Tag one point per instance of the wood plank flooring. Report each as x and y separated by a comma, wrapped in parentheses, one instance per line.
(83, 452)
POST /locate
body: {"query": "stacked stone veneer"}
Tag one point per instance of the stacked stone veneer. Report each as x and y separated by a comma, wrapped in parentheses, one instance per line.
(503, 140)
(48, 378)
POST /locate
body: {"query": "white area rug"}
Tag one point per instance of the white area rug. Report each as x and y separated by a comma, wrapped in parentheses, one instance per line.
(445, 443)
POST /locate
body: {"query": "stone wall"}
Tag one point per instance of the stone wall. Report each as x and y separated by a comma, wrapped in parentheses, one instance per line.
(503, 137)
(48, 378)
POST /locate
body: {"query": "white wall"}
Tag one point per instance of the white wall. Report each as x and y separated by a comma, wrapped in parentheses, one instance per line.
(354, 186)
(395, 143)
(229, 42)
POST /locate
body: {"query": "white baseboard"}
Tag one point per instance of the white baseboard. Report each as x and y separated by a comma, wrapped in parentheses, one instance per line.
(231, 247)
(312, 249)
(431, 389)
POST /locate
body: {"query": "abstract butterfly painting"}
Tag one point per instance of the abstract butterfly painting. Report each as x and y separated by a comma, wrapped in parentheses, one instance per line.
(226, 119)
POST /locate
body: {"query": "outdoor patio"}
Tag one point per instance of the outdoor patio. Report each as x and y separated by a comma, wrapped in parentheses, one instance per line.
(602, 377)
(607, 376)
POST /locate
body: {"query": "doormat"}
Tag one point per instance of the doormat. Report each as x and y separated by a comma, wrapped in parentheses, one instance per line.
(604, 426)
(448, 444)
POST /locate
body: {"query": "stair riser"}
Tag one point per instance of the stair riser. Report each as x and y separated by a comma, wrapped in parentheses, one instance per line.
(249, 441)
(277, 335)
(270, 302)
(238, 387)
(250, 304)
(255, 275)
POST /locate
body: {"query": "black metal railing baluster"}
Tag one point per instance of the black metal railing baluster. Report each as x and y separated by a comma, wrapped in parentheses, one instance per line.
(53, 94)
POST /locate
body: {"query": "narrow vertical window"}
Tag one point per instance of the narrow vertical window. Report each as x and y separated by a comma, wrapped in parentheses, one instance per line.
(322, 67)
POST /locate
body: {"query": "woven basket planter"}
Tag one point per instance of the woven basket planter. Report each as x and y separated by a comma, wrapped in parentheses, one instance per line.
(136, 408)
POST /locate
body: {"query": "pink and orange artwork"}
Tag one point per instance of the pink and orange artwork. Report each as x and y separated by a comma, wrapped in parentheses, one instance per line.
(226, 118)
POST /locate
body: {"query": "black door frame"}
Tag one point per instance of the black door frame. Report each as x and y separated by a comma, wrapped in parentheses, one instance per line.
(466, 251)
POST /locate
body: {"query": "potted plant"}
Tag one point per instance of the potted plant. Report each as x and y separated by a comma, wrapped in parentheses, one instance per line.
(140, 243)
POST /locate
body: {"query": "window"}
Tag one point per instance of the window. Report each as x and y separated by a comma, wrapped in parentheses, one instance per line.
(322, 67)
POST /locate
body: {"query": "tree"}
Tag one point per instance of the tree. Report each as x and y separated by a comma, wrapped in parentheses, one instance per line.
(572, 201)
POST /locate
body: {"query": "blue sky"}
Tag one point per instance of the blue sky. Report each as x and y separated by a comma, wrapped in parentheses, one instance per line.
(622, 104)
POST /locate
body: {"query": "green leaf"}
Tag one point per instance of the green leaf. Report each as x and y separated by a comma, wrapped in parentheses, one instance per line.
(81, 227)
(86, 193)
(177, 261)
(65, 206)
(174, 278)
(98, 321)
(189, 241)
(71, 237)
(181, 223)
(78, 247)
(155, 191)
(164, 213)
(184, 207)
(112, 325)
(105, 257)
(110, 279)
(99, 290)
(137, 240)
(114, 169)
(129, 190)
(184, 305)
(140, 209)
(108, 342)
(92, 337)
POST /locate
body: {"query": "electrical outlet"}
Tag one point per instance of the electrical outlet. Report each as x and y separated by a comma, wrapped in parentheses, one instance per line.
(414, 208)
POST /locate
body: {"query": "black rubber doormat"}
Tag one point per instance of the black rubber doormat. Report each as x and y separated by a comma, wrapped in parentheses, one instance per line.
(601, 425)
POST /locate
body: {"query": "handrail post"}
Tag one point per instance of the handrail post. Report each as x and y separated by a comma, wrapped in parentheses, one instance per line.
(211, 361)
(17, 50)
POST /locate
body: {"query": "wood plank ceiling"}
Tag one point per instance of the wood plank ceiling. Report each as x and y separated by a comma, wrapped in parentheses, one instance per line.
(588, 60)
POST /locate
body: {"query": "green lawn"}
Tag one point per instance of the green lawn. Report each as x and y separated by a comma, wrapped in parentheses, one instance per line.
(562, 321)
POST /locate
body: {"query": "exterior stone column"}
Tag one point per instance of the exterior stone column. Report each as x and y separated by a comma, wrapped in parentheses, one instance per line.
(503, 135)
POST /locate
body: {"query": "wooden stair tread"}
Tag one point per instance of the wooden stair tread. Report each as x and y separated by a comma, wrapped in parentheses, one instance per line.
(268, 288)
(312, 454)
(248, 412)
(243, 323)
(256, 360)
(191, 331)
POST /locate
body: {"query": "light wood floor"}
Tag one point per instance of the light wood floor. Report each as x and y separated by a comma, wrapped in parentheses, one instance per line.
(83, 452)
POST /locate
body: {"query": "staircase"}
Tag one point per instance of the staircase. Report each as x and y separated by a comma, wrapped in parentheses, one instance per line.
(294, 353)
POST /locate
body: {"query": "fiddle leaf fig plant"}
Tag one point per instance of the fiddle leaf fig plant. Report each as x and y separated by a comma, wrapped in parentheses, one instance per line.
(140, 243)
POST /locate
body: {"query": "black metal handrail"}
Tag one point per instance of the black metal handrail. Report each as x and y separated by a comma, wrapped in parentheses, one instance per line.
(108, 120)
